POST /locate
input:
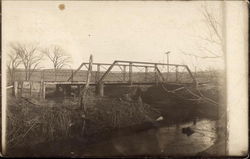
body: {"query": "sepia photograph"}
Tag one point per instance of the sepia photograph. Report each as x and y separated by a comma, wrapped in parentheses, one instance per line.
(124, 78)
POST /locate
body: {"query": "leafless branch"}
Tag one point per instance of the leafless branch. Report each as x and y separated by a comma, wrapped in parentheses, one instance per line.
(57, 56)
(29, 57)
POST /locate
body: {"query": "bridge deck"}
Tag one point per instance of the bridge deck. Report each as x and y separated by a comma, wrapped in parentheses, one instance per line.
(108, 83)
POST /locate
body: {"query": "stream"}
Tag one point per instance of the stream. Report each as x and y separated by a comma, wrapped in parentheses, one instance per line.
(162, 141)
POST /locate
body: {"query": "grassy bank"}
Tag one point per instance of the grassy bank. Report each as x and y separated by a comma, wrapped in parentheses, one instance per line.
(32, 122)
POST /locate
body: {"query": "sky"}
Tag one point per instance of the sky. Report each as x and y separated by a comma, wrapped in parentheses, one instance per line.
(114, 30)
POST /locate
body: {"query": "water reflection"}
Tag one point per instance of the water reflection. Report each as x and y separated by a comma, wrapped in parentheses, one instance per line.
(168, 140)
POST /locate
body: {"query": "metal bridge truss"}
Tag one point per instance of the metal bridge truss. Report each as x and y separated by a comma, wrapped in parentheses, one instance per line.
(134, 72)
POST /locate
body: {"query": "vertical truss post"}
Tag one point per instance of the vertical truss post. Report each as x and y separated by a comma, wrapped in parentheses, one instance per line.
(176, 74)
(124, 74)
(146, 73)
(130, 73)
(72, 74)
(97, 73)
(156, 76)
(190, 73)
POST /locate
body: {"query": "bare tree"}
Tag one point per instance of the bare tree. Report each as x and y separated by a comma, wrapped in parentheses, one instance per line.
(29, 56)
(215, 39)
(210, 42)
(58, 58)
(12, 64)
(214, 35)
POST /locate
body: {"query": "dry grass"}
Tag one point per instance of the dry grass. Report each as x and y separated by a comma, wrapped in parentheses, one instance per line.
(31, 122)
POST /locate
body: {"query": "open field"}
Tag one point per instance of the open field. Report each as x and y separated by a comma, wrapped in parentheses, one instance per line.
(64, 74)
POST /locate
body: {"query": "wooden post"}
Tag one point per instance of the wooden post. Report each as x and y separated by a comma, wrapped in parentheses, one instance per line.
(30, 88)
(84, 91)
(130, 73)
(13, 82)
(21, 92)
(15, 88)
(124, 74)
(146, 73)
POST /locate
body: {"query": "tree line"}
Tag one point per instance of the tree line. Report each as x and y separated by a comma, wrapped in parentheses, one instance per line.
(31, 57)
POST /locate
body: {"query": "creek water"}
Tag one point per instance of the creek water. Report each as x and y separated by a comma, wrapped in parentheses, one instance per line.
(161, 141)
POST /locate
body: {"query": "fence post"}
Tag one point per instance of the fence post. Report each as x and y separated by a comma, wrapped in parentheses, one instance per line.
(130, 73)
(15, 87)
(21, 92)
(30, 87)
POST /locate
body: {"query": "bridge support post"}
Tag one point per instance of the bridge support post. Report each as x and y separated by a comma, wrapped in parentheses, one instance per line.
(43, 90)
(72, 73)
(100, 89)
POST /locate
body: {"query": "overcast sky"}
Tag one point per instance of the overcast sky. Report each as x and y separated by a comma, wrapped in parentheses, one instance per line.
(138, 31)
